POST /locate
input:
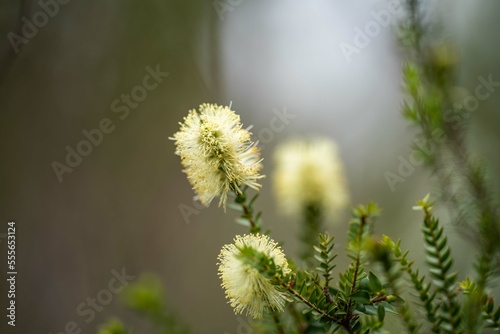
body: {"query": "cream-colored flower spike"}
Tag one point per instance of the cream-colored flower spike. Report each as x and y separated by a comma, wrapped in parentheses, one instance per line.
(245, 287)
(217, 153)
(309, 172)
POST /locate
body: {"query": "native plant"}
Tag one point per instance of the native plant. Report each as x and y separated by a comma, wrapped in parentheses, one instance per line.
(311, 295)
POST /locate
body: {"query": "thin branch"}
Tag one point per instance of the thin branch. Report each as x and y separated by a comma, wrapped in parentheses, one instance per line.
(356, 269)
(306, 302)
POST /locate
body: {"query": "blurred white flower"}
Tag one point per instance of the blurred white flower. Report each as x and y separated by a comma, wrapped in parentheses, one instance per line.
(247, 288)
(309, 172)
(217, 154)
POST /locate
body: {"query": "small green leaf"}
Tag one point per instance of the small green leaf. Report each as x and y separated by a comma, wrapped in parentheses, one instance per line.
(243, 222)
(497, 314)
(381, 313)
(317, 257)
(317, 249)
(369, 309)
(253, 199)
(307, 310)
(360, 308)
(361, 296)
(375, 284)
(396, 300)
(388, 307)
(235, 207)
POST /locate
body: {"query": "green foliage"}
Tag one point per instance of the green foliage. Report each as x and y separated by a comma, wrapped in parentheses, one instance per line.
(463, 181)
(439, 298)
(440, 262)
(310, 228)
(325, 256)
(428, 78)
(145, 297)
(113, 326)
(248, 218)
(443, 316)
(379, 272)
(491, 314)
(418, 282)
(382, 253)
(358, 303)
(264, 264)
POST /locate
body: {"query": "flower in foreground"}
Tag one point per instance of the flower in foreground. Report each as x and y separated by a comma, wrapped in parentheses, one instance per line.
(309, 172)
(246, 287)
(217, 153)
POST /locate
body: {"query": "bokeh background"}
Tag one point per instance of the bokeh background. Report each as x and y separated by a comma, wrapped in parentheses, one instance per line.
(121, 206)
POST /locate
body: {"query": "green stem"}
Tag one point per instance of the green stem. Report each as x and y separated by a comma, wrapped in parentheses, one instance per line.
(357, 263)
(424, 296)
(324, 288)
(392, 276)
(440, 252)
(247, 211)
(311, 227)
(306, 302)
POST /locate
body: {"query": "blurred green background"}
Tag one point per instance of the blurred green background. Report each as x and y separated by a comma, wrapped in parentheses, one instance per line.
(121, 206)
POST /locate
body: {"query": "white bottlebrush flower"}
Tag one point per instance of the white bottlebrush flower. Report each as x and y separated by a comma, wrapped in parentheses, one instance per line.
(217, 153)
(247, 288)
(309, 172)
